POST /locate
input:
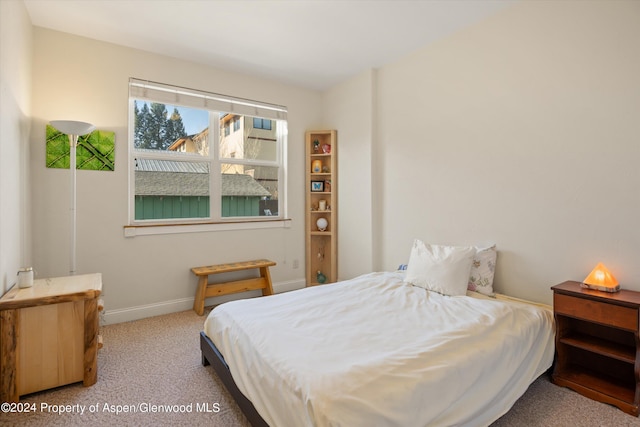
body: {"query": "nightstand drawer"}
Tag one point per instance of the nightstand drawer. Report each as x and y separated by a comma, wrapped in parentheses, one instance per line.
(595, 311)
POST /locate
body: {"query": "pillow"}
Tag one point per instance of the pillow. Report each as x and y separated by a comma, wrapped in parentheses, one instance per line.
(442, 269)
(483, 270)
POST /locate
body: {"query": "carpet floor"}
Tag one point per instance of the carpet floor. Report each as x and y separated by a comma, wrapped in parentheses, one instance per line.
(150, 374)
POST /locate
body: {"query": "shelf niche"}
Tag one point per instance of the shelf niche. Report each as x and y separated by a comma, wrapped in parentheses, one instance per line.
(321, 202)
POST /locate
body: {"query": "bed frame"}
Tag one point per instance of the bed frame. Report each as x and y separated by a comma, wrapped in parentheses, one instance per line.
(211, 355)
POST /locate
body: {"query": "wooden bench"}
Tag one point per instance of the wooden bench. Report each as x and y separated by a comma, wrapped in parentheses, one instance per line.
(207, 290)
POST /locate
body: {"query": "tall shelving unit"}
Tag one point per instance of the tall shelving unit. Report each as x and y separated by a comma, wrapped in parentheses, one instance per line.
(321, 192)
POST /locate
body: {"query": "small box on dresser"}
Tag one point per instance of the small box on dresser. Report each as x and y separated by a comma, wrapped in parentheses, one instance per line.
(597, 344)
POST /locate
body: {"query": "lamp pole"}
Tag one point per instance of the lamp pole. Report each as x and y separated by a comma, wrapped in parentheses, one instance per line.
(74, 130)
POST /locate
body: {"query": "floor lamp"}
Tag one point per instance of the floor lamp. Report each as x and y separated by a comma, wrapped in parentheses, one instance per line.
(74, 130)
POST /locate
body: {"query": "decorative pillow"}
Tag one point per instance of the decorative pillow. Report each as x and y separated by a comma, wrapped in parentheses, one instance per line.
(483, 270)
(442, 269)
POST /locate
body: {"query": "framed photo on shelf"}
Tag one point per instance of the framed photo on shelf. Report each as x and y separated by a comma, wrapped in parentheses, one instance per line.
(317, 186)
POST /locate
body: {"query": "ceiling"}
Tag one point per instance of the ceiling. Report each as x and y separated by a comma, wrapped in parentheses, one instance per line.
(309, 43)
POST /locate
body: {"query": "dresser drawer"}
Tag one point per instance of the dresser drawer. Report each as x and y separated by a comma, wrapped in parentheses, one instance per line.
(595, 311)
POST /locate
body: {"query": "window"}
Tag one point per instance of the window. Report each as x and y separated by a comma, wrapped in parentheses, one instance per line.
(259, 123)
(187, 164)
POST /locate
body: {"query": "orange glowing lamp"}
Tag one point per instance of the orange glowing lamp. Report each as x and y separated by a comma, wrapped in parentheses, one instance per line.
(601, 279)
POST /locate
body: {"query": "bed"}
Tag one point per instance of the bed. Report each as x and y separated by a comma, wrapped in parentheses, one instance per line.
(377, 350)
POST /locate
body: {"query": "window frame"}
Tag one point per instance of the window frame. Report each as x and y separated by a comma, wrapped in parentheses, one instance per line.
(215, 221)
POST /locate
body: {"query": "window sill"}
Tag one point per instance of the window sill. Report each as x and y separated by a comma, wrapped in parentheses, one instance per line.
(154, 229)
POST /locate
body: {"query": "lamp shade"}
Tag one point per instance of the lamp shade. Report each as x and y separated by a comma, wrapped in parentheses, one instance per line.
(72, 127)
(601, 279)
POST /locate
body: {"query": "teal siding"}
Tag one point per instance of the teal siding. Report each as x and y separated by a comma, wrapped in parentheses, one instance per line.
(165, 207)
(240, 206)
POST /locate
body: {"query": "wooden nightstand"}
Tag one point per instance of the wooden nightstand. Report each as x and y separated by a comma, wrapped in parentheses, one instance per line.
(597, 344)
(49, 335)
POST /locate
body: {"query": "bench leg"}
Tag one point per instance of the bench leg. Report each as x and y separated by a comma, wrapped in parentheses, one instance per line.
(198, 303)
(268, 290)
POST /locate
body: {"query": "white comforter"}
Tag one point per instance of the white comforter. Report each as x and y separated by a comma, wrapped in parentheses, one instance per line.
(375, 351)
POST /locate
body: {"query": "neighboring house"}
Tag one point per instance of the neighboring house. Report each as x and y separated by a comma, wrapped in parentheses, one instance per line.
(181, 190)
(196, 143)
(241, 137)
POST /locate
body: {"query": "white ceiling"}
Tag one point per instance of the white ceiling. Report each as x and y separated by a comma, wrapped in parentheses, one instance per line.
(309, 43)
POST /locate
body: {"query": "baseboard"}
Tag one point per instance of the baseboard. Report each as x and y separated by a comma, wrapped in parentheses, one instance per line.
(291, 285)
(129, 314)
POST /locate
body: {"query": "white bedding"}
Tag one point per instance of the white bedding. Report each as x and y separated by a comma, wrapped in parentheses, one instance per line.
(375, 351)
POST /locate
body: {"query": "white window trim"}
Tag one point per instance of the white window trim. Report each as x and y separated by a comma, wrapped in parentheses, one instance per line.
(157, 92)
(150, 230)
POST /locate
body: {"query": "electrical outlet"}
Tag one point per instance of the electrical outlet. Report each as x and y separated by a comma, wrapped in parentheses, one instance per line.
(296, 263)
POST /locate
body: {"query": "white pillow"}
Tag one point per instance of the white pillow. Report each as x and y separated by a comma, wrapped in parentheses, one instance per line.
(483, 270)
(442, 269)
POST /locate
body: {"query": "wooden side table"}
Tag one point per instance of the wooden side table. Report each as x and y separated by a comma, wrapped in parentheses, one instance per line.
(598, 344)
(49, 335)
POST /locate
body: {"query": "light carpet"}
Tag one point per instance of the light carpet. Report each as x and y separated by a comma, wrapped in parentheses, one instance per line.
(150, 374)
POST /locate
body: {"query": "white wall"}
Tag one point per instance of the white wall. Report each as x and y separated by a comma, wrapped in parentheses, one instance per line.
(15, 104)
(349, 108)
(521, 130)
(81, 79)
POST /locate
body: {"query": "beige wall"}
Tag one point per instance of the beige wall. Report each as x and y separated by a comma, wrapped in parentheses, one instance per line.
(82, 79)
(15, 105)
(521, 130)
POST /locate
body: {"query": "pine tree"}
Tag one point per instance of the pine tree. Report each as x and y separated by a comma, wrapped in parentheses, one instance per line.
(153, 129)
(140, 139)
(156, 127)
(174, 129)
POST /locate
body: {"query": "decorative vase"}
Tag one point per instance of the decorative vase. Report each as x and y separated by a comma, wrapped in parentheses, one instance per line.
(322, 224)
(321, 278)
(316, 166)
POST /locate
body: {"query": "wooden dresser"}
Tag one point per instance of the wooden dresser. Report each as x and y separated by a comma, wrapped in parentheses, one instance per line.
(49, 335)
(597, 344)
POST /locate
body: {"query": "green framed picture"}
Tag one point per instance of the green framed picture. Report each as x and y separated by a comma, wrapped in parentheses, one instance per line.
(95, 151)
